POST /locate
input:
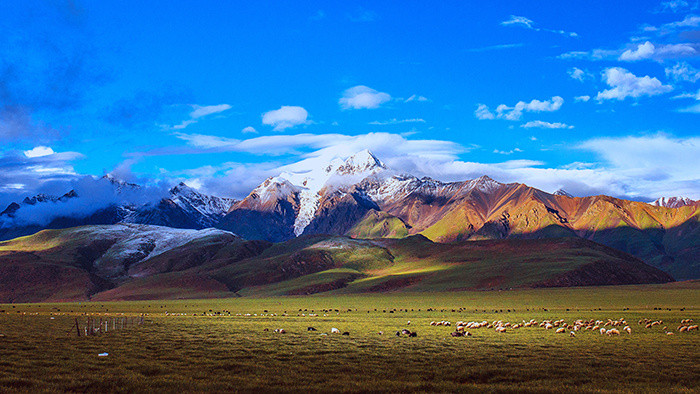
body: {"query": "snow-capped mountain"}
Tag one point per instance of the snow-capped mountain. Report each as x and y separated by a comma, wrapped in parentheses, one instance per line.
(334, 197)
(109, 200)
(673, 202)
(209, 208)
(291, 201)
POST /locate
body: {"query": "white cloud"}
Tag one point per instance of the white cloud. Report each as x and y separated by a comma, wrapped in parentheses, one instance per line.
(200, 111)
(515, 112)
(595, 54)
(39, 151)
(695, 95)
(689, 21)
(182, 125)
(674, 5)
(482, 112)
(22, 173)
(545, 125)
(285, 117)
(582, 98)
(397, 121)
(625, 84)
(640, 167)
(510, 152)
(416, 98)
(518, 21)
(249, 129)
(529, 24)
(683, 72)
(643, 51)
(657, 163)
(361, 96)
(578, 74)
(650, 51)
(636, 52)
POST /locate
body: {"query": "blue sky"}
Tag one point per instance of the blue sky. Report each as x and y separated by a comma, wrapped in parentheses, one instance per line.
(592, 97)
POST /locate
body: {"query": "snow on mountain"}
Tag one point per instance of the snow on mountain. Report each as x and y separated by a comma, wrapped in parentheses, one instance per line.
(108, 200)
(211, 208)
(338, 173)
(672, 202)
(138, 242)
(273, 188)
(361, 174)
(484, 184)
(562, 192)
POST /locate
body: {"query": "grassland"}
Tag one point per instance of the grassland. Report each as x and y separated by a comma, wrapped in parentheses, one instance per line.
(225, 348)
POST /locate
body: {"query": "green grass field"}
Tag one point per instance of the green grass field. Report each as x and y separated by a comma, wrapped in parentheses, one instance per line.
(218, 351)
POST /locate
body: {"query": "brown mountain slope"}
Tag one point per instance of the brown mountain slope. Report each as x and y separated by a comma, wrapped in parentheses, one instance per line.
(146, 262)
(665, 237)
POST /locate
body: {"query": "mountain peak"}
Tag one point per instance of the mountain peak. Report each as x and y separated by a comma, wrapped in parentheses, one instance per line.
(361, 161)
(181, 188)
(120, 183)
(484, 183)
(672, 202)
(562, 192)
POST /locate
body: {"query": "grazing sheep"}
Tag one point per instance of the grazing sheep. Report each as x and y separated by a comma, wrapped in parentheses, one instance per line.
(335, 331)
(413, 334)
(572, 334)
(548, 326)
(398, 333)
(670, 333)
(405, 332)
(628, 329)
(683, 328)
(612, 332)
(432, 323)
(457, 334)
(602, 331)
(500, 329)
(693, 327)
(561, 330)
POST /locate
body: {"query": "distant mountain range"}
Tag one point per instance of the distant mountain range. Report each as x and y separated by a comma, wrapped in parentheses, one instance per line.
(183, 207)
(360, 197)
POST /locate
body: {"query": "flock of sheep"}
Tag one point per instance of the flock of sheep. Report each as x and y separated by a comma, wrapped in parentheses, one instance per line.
(608, 327)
